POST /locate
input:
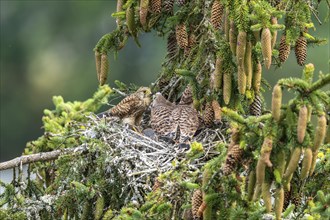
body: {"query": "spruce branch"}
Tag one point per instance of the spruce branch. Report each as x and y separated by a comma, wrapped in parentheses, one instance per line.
(233, 115)
(294, 83)
(320, 83)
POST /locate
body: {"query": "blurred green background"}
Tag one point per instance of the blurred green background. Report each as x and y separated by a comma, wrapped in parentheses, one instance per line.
(47, 49)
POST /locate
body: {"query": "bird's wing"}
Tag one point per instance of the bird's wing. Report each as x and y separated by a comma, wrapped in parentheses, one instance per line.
(160, 119)
(188, 123)
(126, 106)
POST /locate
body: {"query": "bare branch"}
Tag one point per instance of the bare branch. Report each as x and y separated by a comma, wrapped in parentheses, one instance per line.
(45, 156)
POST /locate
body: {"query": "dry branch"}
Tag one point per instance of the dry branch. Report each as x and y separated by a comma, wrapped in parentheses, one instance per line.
(44, 156)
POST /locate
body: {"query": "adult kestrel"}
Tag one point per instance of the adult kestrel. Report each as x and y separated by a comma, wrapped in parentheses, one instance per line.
(131, 108)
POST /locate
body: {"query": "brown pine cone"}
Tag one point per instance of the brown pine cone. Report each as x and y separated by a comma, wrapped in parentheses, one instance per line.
(181, 36)
(234, 155)
(287, 199)
(168, 6)
(196, 202)
(301, 50)
(284, 49)
(217, 111)
(256, 105)
(216, 14)
(191, 44)
(156, 6)
(208, 115)
(296, 200)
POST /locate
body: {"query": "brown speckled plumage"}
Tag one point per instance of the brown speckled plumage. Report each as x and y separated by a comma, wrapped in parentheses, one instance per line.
(160, 119)
(184, 122)
(131, 108)
(179, 122)
(186, 97)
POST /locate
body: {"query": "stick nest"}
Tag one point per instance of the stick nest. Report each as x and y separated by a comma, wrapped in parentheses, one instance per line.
(139, 159)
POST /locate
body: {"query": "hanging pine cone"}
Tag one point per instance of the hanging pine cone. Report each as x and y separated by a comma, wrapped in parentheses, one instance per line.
(234, 155)
(98, 63)
(284, 49)
(301, 50)
(168, 6)
(119, 8)
(217, 111)
(216, 14)
(104, 69)
(201, 210)
(256, 105)
(257, 72)
(181, 2)
(266, 47)
(227, 25)
(171, 45)
(233, 37)
(130, 20)
(181, 36)
(216, 75)
(196, 202)
(156, 6)
(208, 115)
(240, 49)
(296, 200)
(227, 81)
(144, 5)
(241, 80)
(248, 64)
(287, 199)
(274, 22)
(191, 44)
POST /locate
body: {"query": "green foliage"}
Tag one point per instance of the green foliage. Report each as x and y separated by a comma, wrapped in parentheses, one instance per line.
(99, 180)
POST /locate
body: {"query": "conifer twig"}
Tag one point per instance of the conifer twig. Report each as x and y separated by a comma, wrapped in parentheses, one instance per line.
(320, 83)
(44, 156)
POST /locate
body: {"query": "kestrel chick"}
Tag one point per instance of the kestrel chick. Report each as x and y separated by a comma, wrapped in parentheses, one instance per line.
(161, 110)
(179, 122)
(131, 108)
(186, 97)
(185, 118)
